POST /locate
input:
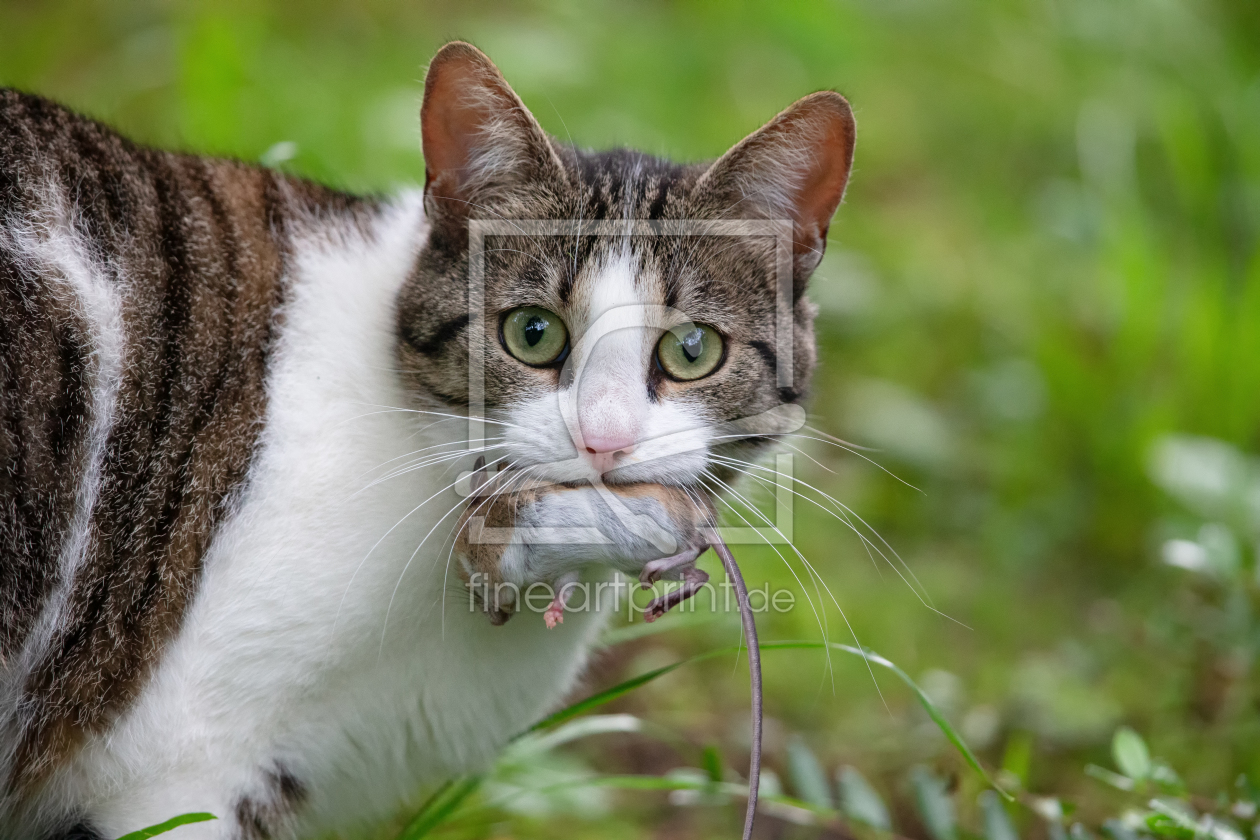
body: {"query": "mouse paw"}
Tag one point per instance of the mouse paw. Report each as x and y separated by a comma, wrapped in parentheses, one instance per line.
(654, 570)
(554, 614)
(693, 580)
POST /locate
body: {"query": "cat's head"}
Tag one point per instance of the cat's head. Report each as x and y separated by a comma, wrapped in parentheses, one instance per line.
(633, 312)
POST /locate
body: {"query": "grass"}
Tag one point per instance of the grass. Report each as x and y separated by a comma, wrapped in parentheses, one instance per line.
(1040, 304)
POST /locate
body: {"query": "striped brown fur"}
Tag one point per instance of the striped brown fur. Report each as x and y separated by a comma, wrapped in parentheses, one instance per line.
(199, 247)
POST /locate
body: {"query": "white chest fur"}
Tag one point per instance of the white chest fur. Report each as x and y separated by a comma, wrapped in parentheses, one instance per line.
(287, 660)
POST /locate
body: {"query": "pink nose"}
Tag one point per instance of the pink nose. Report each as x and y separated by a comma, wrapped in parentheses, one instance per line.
(607, 453)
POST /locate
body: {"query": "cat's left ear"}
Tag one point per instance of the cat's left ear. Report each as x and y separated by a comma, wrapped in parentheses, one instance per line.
(795, 167)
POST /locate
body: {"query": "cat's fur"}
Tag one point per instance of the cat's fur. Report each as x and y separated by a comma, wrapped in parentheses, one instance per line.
(218, 589)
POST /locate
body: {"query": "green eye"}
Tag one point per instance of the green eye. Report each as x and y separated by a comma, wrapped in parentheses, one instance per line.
(690, 351)
(534, 335)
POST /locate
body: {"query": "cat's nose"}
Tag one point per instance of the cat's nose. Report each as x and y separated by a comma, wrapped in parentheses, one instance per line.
(607, 453)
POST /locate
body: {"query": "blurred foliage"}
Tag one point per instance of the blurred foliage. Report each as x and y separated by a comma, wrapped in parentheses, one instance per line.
(1040, 305)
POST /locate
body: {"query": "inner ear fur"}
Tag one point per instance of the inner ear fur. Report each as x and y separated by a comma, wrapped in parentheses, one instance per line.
(794, 167)
(478, 138)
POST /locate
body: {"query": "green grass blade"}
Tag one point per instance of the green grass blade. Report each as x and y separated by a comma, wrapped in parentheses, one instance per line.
(169, 825)
(711, 761)
(934, 713)
(623, 688)
(439, 806)
(444, 802)
(618, 782)
(605, 696)
(631, 684)
(619, 690)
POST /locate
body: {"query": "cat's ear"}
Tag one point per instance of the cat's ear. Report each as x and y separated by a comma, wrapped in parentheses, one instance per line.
(479, 138)
(794, 167)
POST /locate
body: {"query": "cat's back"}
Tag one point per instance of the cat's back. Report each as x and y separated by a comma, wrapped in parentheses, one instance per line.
(138, 300)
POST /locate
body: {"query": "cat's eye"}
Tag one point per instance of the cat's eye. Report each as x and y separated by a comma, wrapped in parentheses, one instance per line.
(690, 351)
(534, 335)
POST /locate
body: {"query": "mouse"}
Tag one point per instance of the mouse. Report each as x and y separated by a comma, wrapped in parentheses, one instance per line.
(515, 532)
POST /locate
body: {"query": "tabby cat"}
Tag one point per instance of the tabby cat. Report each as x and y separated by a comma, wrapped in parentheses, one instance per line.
(234, 412)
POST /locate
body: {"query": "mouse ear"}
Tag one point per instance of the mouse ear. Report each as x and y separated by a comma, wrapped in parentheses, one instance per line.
(480, 141)
(794, 167)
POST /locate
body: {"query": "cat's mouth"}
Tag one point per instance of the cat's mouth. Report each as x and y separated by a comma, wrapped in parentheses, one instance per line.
(674, 466)
(517, 533)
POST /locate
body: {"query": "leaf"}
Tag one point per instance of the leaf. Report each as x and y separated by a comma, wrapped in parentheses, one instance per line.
(997, 823)
(1173, 819)
(936, 809)
(713, 792)
(712, 759)
(1130, 754)
(807, 775)
(618, 690)
(632, 782)
(1167, 778)
(1106, 776)
(534, 742)
(527, 787)
(623, 688)
(1017, 757)
(169, 825)
(860, 802)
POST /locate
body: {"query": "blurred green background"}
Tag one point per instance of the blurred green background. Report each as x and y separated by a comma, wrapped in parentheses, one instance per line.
(1040, 306)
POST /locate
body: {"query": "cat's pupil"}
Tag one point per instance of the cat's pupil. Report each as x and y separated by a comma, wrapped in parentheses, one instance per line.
(534, 330)
(693, 344)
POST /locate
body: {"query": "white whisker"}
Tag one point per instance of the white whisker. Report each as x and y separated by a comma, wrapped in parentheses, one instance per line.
(429, 461)
(407, 565)
(386, 409)
(514, 479)
(821, 619)
(375, 545)
(419, 451)
(917, 587)
(813, 571)
(830, 441)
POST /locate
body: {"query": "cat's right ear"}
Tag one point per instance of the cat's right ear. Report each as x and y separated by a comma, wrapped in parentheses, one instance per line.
(480, 141)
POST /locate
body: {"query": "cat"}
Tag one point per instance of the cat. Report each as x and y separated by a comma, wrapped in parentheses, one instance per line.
(235, 407)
